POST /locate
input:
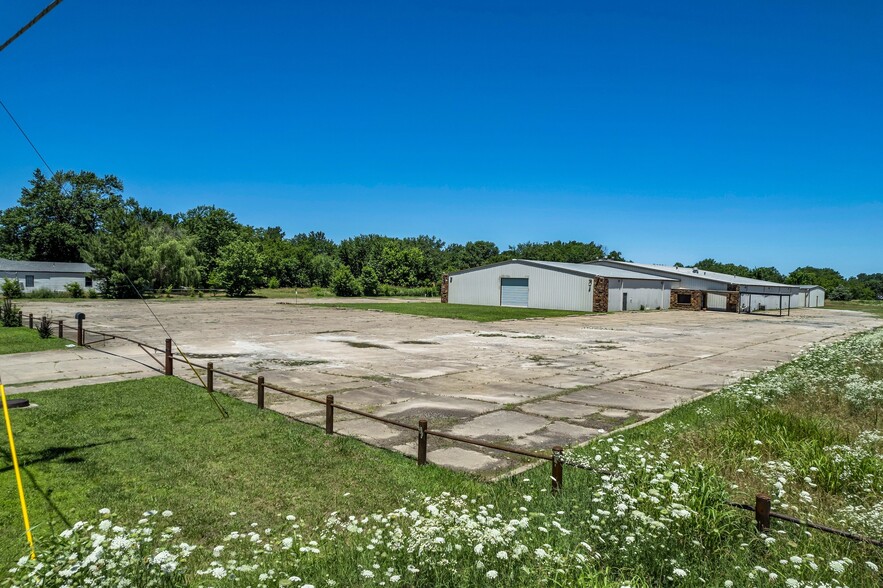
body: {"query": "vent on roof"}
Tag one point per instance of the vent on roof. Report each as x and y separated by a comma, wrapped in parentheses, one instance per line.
(695, 271)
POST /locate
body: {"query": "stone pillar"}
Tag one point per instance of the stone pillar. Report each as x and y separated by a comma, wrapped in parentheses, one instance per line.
(444, 288)
(600, 294)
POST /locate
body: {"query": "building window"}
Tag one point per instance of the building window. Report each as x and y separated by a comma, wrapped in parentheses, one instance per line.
(685, 298)
(29, 281)
(88, 281)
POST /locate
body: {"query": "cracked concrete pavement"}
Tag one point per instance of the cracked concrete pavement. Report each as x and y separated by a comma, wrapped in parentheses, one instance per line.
(530, 384)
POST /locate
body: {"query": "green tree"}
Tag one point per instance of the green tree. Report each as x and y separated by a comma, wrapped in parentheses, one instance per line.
(344, 283)
(401, 266)
(321, 270)
(731, 269)
(57, 215)
(769, 274)
(825, 277)
(568, 252)
(239, 268)
(212, 229)
(369, 281)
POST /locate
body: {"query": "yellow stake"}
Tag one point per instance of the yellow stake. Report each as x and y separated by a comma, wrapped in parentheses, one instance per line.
(21, 490)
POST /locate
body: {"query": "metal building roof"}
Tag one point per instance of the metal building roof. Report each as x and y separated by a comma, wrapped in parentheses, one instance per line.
(581, 269)
(11, 265)
(692, 271)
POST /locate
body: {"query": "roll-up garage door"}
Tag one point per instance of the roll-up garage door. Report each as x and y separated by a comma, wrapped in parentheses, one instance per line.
(717, 301)
(514, 292)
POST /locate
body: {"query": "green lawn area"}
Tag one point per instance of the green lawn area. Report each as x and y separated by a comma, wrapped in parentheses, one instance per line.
(23, 339)
(874, 307)
(314, 292)
(160, 443)
(481, 314)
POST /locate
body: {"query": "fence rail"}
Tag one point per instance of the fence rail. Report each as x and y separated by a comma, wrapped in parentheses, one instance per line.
(761, 509)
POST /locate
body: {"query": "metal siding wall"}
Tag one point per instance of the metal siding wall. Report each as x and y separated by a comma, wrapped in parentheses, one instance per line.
(547, 288)
(648, 293)
(694, 282)
(614, 295)
(53, 281)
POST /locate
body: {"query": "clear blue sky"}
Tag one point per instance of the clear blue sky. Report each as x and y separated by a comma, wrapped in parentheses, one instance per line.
(750, 132)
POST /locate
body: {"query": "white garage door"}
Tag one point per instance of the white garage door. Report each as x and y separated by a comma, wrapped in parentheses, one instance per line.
(514, 292)
(717, 301)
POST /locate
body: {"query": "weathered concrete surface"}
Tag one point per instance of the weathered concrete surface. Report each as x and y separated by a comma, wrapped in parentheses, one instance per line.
(532, 383)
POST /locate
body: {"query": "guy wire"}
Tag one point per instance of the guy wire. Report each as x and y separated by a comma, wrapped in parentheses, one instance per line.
(211, 394)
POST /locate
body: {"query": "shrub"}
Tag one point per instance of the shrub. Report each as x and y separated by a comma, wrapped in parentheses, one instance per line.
(74, 289)
(239, 268)
(12, 288)
(273, 283)
(92, 293)
(344, 283)
(10, 314)
(369, 281)
(45, 292)
(44, 327)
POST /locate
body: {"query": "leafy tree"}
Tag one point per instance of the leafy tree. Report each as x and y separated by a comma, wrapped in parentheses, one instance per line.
(369, 281)
(401, 266)
(472, 254)
(841, 292)
(769, 274)
(344, 283)
(212, 229)
(117, 256)
(568, 252)
(732, 269)
(173, 260)
(322, 269)
(825, 277)
(239, 268)
(56, 215)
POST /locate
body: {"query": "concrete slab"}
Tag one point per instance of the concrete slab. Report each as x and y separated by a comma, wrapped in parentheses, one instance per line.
(585, 371)
(506, 424)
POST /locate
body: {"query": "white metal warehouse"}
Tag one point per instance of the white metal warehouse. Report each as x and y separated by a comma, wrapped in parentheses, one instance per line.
(700, 289)
(554, 285)
(607, 286)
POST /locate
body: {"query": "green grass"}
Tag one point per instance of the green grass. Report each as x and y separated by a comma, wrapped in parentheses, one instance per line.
(481, 314)
(160, 443)
(23, 340)
(874, 307)
(313, 292)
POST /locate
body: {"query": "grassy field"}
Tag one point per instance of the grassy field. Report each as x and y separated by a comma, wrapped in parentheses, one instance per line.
(481, 314)
(874, 307)
(23, 339)
(652, 514)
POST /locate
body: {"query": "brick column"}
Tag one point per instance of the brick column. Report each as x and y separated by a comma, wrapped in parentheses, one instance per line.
(600, 294)
(444, 288)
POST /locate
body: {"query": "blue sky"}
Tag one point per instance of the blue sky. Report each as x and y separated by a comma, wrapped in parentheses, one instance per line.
(747, 132)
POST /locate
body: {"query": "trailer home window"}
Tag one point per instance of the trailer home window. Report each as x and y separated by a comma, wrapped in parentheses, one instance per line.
(29, 281)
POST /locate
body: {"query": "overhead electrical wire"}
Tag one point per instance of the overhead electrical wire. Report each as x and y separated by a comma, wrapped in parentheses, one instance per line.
(33, 21)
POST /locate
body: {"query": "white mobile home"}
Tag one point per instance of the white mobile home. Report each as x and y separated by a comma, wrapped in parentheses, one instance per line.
(50, 275)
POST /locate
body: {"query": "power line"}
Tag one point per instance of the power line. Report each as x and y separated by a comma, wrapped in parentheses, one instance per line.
(34, 21)
(28, 139)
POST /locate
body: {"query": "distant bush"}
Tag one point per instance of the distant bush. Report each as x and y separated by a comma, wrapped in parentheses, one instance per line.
(74, 289)
(44, 327)
(344, 283)
(10, 314)
(841, 292)
(92, 293)
(12, 288)
(273, 283)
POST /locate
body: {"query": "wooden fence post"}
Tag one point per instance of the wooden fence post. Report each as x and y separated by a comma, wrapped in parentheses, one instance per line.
(421, 442)
(81, 339)
(329, 414)
(260, 391)
(169, 366)
(762, 512)
(557, 468)
(61, 329)
(210, 376)
(21, 318)
(30, 320)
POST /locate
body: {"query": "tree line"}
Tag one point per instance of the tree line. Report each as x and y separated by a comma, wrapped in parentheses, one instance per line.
(860, 287)
(81, 216)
